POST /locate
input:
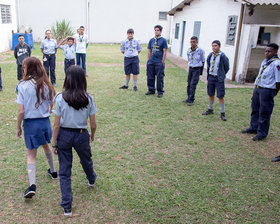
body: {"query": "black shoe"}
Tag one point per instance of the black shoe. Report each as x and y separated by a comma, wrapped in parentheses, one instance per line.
(186, 101)
(209, 111)
(160, 95)
(67, 212)
(276, 159)
(53, 174)
(124, 87)
(223, 116)
(149, 93)
(190, 103)
(258, 138)
(249, 131)
(135, 88)
(30, 191)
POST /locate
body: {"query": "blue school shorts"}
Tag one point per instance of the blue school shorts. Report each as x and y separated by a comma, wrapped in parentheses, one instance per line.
(37, 132)
(131, 65)
(213, 84)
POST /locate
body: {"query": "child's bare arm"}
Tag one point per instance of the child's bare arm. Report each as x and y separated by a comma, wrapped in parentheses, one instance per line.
(92, 126)
(20, 116)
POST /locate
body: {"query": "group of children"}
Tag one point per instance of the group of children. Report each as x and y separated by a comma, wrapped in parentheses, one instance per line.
(72, 108)
(217, 67)
(71, 46)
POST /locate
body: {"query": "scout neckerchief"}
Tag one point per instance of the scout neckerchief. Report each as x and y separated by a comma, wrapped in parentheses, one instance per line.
(16, 91)
(81, 38)
(130, 45)
(155, 45)
(214, 58)
(265, 65)
(192, 52)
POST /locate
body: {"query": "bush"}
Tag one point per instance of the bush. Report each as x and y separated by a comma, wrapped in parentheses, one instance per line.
(62, 30)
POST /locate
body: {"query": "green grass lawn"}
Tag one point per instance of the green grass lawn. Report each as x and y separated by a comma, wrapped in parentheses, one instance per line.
(157, 160)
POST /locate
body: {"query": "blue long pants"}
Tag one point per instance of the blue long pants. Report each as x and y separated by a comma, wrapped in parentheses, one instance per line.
(155, 71)
(68, 138)
(262, 107)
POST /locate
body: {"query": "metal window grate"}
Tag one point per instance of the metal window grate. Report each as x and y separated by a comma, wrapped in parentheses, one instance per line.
(196, 29)
(231, 31)
(6, 14)
(177, 28)
(162, 15)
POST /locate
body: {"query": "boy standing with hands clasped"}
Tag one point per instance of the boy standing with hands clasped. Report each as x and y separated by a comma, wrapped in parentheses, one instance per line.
(131, 48)
(217, 68)
(196, 59)
(157, 50)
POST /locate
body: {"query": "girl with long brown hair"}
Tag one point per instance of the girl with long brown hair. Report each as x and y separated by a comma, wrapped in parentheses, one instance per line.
(35, 96)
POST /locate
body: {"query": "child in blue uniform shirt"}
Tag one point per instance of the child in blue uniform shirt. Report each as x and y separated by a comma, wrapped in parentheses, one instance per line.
(49, 48)
(267, 85)
(196, 59)
(157, 50)
(72, 109)
(131, 48)
(35, 97)
(69, 52)
(217, 68)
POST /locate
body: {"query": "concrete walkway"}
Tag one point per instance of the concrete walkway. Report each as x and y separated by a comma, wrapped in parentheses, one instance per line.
(182, 63)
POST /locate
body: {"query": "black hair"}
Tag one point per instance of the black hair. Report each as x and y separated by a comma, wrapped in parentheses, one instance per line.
(130, 30)
(159, 27)
(20, 36)
(82, 27)
(274, 46)
(75, 88)
(194, 38)
(70, 38)
(216, 42)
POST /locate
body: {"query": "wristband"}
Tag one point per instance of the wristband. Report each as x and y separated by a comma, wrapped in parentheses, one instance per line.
(54, 146)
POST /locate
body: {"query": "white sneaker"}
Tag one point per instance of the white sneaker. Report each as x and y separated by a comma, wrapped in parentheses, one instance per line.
(67, 212)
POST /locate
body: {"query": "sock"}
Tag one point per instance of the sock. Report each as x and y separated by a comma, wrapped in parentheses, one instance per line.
(49, 157)
(31, 170)
(135, 82)
(126, 82)
(211, 103)
(222, 106)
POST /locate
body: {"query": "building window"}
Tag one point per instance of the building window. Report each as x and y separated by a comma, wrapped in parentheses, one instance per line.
(6, 14)
(162, 15)
(196, 29)
(177, 28)
(264, 38)
(231, 31)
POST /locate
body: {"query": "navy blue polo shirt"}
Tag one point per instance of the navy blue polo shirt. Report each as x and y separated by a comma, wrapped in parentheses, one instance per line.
(156, 47)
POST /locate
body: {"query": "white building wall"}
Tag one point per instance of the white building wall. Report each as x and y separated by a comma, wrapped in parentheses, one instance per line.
(105, 21)
(214, 20)
(40, 15)
(6, 29)
(111, 19)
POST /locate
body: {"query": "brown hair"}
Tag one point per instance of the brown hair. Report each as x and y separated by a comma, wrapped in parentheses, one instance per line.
(32, 68)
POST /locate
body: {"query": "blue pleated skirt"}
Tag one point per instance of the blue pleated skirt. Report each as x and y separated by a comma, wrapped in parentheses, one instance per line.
(37, 132)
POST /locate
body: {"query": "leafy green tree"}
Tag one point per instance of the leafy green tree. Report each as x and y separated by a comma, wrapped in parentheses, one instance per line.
(62, 30)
